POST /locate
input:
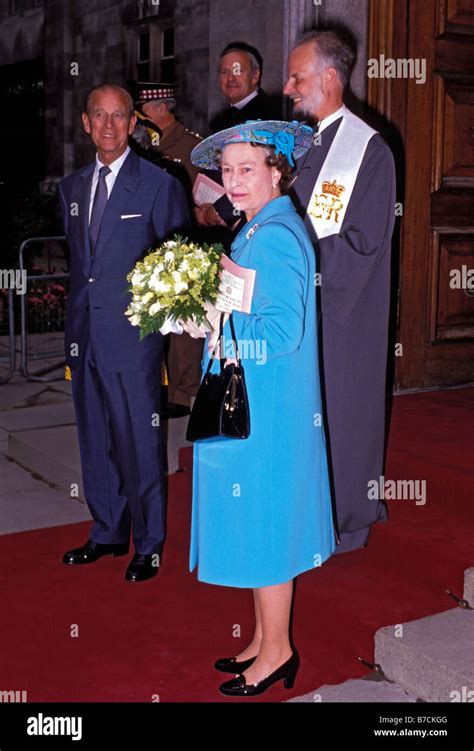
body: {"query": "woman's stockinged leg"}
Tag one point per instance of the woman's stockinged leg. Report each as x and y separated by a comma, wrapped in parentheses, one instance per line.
(253, 647)
(274, 606)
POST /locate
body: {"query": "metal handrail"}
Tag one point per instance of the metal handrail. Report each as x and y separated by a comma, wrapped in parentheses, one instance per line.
(38, 376)
(11, 333)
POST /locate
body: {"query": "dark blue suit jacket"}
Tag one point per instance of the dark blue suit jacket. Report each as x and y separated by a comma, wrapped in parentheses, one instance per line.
(98, 294)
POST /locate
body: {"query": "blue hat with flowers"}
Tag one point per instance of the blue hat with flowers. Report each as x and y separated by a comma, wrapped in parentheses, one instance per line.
(290, 139)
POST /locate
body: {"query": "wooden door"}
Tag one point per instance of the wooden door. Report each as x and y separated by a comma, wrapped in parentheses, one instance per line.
(436, 122)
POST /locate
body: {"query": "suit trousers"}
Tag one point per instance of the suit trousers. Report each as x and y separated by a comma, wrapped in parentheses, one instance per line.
(117, 417)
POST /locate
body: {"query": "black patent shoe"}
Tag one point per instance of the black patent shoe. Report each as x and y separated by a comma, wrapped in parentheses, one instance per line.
(141, 568)
(231, 665)
(92, 551)
(286, 672)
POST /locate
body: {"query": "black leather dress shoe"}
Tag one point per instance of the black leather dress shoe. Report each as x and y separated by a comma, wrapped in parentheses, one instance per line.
(286, 672)
(141, 568)
(92, 551)
(231, 665)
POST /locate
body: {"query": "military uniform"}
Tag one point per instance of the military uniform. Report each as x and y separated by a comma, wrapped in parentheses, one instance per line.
(177, 142)
(174, 147)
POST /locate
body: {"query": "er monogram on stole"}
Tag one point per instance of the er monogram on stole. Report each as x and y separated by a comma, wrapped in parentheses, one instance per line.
(328, 202)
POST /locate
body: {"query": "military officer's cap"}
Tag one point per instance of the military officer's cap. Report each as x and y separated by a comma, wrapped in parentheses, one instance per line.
(145, 91)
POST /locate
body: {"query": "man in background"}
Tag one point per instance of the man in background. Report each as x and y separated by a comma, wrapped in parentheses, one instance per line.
(157, 102)
(240, 74)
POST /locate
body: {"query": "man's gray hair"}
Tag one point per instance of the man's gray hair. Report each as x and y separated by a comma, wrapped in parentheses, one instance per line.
(254, 64)
(170, 103)
(333, 50)
(113, 87)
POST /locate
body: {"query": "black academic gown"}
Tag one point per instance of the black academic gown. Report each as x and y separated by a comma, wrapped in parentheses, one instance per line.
(354, 305)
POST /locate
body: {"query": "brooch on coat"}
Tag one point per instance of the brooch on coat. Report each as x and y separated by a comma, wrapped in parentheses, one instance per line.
(251, 231)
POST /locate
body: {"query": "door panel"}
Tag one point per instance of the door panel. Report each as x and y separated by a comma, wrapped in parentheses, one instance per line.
(436, 123)
(452, 315)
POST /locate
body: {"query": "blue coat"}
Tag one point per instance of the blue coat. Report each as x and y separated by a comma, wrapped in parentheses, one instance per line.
(261, 506)
(98, 294)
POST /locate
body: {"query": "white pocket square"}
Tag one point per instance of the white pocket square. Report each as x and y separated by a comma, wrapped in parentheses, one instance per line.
(129, 216)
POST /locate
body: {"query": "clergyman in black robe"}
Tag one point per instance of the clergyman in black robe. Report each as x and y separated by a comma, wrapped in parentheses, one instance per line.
(354, 264)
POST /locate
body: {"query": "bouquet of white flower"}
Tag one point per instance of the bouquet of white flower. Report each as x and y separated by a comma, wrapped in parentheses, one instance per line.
(173, 282)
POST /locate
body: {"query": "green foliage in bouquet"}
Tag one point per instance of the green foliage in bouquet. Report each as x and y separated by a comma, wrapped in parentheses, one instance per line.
(173, 281)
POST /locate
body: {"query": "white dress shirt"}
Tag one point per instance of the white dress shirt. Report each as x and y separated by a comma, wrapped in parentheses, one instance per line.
(323, 124)
(169, 326)
(245, 101)
(109, 179)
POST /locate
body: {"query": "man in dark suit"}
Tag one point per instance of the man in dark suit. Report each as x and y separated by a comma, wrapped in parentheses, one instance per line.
(114, 210)
(240, 74)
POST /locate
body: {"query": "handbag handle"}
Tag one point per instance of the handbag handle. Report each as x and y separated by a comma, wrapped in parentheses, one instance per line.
(221, 333)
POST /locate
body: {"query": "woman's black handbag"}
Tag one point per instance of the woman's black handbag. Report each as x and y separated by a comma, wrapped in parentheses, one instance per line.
(221, 407)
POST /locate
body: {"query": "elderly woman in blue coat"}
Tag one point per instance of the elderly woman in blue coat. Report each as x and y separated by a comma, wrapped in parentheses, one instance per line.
(261, 506)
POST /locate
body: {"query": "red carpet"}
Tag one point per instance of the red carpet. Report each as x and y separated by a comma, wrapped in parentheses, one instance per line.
(161, 637)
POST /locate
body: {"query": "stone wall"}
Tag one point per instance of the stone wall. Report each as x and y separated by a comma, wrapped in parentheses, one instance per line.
(353, 13)
(21, 34)
(85, 42)
(204, 27)
(257, 23)
(192, 62)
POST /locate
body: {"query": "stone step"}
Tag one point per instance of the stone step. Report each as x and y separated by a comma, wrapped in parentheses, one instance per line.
(17, 394)
(4, 439)
(429, 660)
(433, 657)
(44, 440)
(50, 452)
(42, 437)
(38, 417)
(28, 503)
(469, 586)
(361, 691)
